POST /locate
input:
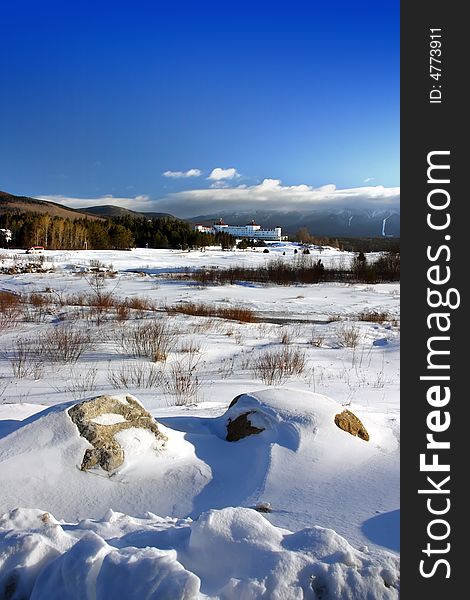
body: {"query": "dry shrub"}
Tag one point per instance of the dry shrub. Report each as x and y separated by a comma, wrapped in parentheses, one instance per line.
(181, 381)
(372, 316)
(81, 382)
(102, 303)
(136, 375)
(237, 313)
(64, 344)
(10, 309)
(152, 339)
(276, 366)
(71, 299)
(333, 318)
(202, 327)
(348, 336)
(317, 339)
(25, 359)
(190, 347)
(233, 313)
(102, 300)
(36, 307)
(139, 304)
(122, 312)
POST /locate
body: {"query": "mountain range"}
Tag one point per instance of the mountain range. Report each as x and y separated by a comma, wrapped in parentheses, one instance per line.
(321, 222)
(9, 203)
(110, 210)
(344, 222)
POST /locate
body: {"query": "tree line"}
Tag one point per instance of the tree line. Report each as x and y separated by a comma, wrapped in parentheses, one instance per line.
(350, 244)
(116, 233)
(304, 269)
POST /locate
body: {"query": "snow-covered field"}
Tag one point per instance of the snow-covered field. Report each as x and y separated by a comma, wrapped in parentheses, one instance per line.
(180, 522)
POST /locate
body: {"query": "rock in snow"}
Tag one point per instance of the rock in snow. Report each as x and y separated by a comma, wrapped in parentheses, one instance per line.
(225, 554)
(241, 427)
(101, 419)
(347, 421)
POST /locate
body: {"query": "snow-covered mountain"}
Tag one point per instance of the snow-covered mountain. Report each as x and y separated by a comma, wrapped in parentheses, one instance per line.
(342, 222)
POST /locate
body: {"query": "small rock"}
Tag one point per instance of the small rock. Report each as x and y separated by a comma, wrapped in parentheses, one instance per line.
(263, 507)
(347, 421)
(241, 427)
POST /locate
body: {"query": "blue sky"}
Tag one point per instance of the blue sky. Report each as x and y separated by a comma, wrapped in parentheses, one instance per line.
(101, 98)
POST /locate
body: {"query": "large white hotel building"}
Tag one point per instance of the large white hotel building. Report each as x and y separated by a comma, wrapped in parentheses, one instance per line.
(251, 231)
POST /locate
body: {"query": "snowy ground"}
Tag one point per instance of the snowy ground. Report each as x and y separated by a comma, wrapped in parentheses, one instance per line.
(313, 483)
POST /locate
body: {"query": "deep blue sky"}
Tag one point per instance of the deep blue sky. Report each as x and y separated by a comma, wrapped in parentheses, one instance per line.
(101, 97)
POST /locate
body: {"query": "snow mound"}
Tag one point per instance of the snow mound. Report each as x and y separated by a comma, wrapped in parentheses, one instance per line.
(42, 462)
(284, 416)
(225, 554)
(300, 464)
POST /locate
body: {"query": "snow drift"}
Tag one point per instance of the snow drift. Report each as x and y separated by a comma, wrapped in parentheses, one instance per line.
(213, 544)
(301, 462)
(225, 554)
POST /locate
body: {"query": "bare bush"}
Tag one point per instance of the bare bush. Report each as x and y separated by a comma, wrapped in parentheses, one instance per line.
(97, 265)
(348, 336)
(276, 366)
(333, 318)
(25, 359)
(303, 269)
(373, 316)
(10, 309)
(122, 312)
(181, 381)
(190, 347)
(3, 388)
(152, 339)
(36, 307)
(64, 344)
(137, 375)
(227, 367)
(140, 306)
(81, 382)
(102, 299)
(317, 339)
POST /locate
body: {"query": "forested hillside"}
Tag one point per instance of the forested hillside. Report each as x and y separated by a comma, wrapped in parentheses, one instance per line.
(120, 233)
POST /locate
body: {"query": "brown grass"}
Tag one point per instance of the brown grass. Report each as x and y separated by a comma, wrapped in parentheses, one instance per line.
(10, 309)
(372, 316)
(232, 313)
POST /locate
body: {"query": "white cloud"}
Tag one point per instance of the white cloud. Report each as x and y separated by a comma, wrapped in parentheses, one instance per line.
(183, 174)
(218, 173)
(271, 194)
(217, 185)
(369, 179)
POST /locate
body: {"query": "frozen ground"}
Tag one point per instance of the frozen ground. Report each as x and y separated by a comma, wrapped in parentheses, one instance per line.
(311, 478)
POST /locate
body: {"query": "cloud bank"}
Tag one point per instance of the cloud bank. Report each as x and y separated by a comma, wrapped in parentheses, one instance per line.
(269, 195)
